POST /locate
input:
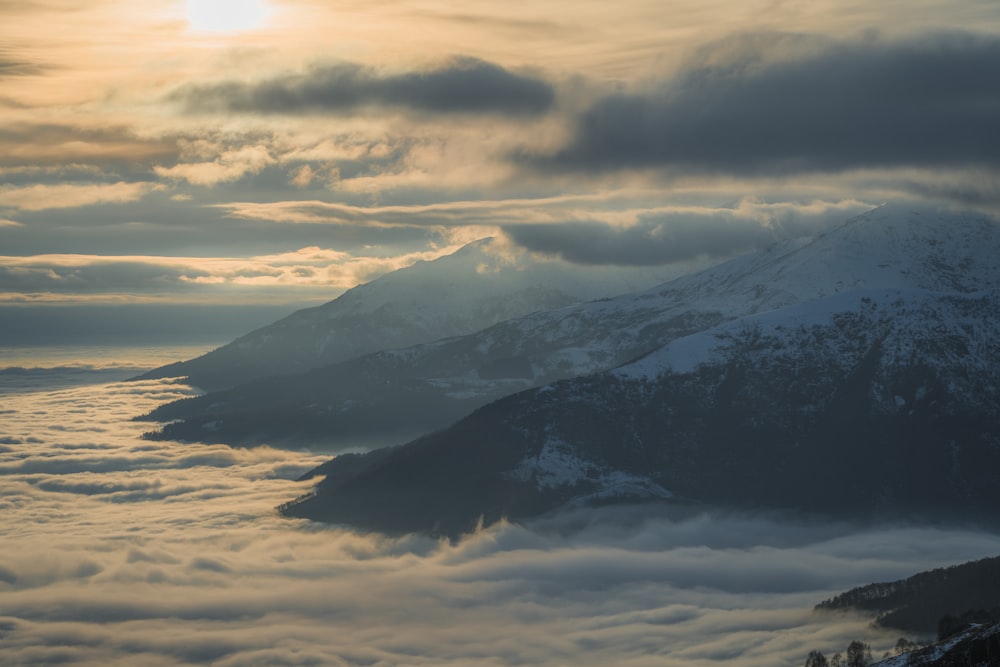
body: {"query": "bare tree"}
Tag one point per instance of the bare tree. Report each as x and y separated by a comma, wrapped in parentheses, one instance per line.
(816, 659)
(859, 654)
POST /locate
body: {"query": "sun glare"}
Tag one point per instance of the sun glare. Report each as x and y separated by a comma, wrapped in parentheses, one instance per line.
(225, 15)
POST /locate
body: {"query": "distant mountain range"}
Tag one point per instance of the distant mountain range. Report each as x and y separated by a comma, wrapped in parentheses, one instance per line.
(392, 395)
(853, 373)
(479, 285)
(856, 374)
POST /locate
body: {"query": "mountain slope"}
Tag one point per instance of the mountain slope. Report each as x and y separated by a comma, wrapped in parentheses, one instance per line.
(457, 294)
(976, 646)
(960, 604)
(889, 248)
(918, 604)
(874, 402)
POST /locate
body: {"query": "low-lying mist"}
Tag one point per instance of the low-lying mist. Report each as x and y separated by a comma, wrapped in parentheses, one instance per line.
(119, 551)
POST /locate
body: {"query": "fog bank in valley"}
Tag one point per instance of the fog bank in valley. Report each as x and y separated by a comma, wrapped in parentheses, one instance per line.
(119, 551)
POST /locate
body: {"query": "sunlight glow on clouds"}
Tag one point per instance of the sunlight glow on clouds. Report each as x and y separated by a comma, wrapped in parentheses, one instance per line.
(320, 272)
(43, 197)
(252, 151)
(228, 166)
(225, 15)
(118, 122)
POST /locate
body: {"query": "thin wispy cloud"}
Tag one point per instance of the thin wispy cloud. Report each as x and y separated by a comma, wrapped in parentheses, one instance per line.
(44, 197)
(588, 229)
(14, 66)
(153, 278)
(77, 142)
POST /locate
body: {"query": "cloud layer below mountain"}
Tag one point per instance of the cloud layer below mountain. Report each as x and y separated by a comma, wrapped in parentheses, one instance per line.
(120, 551)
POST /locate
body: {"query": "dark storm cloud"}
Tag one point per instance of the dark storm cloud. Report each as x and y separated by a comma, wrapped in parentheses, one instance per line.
(646, 244)
(777, 105)
(663, 238)
(463, 85)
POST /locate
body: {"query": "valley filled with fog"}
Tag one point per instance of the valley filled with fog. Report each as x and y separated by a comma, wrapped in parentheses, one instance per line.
(123, 551)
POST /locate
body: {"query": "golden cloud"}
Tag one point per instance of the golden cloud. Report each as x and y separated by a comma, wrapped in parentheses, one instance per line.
(41, 197)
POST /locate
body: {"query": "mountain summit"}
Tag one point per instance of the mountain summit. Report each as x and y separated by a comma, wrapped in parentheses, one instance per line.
(389, 395)
(474, 287)
(863, 382)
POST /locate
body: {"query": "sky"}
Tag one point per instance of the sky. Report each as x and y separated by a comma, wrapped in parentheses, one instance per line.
(272, 153)
(123, 552)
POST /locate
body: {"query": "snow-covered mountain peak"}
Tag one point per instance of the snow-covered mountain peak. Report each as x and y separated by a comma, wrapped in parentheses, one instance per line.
(894, 246)
(885, 256)
(944, 331)
(921, 246)
(477, 286)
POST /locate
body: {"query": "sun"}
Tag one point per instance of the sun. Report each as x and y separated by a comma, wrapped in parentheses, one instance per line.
(225, 15)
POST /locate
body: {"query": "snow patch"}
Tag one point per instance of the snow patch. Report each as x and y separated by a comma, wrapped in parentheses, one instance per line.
(557, 465)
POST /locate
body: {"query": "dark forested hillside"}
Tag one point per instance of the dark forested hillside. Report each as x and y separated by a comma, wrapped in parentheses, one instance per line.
(925, 602)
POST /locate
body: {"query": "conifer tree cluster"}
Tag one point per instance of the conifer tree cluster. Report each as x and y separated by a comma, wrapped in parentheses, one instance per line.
(858, 654)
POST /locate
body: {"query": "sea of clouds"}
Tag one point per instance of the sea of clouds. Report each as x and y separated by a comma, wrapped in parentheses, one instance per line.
(120, 551)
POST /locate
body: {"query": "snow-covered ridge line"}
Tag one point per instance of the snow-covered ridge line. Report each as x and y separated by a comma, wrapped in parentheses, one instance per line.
(892, 248)
(903, 311)
(886, 381)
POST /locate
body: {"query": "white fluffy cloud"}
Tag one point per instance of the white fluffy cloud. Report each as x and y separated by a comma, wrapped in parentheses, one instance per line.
(228, 166)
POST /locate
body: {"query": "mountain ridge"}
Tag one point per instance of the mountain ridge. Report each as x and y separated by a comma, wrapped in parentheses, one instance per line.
(468, 290)
(452, 376)
(891, 391)
(918, 603)
(749, 426)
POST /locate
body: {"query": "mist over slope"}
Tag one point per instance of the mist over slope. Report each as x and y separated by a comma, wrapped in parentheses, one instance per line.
(471, 289)
(388, 395)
